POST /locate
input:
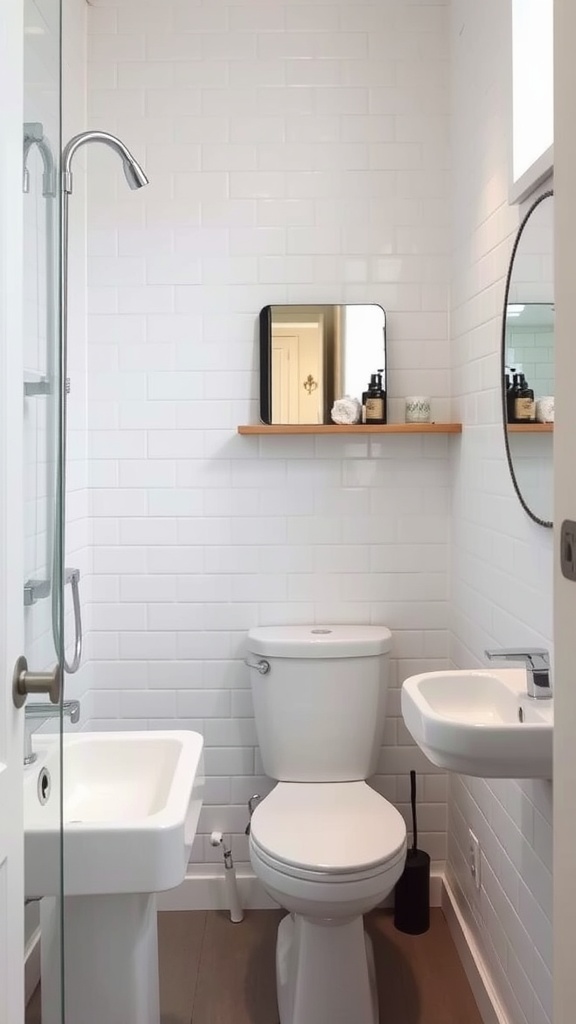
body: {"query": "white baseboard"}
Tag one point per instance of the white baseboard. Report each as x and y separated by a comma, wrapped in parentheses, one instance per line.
(32, 965)
(471, 957)
(203, 889)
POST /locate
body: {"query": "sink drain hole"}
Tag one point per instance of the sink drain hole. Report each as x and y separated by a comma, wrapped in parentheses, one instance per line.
(521, 714)
(44, 785)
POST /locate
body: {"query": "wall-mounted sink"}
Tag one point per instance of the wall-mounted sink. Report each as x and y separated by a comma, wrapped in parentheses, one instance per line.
(480, 722)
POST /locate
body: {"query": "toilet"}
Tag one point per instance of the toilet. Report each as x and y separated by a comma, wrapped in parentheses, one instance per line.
(324, 844)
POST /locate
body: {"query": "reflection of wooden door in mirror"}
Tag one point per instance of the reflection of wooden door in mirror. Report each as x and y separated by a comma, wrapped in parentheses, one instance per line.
(297, 386)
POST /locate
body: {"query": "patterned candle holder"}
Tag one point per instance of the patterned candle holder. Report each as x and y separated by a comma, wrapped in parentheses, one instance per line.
(417, 409)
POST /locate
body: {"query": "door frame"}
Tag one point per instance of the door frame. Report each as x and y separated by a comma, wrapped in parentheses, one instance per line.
(11, 513)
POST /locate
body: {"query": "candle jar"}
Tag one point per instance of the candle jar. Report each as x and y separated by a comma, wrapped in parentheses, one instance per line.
(417, 409)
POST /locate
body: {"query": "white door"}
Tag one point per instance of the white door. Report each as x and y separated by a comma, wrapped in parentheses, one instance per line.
(297, 373)
(11, 511)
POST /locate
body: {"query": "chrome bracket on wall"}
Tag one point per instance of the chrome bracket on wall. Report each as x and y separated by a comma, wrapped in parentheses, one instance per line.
(35, 590)
(36, 387)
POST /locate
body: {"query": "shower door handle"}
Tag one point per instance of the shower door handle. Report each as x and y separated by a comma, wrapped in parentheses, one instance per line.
(25, 682)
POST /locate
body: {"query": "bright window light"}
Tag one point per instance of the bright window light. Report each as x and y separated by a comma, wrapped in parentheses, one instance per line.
(533, 86)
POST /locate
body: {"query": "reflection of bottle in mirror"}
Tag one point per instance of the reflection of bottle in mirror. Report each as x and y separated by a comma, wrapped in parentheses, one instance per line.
(515, 391)
(524, 406)
(509, 377)
(374, 400)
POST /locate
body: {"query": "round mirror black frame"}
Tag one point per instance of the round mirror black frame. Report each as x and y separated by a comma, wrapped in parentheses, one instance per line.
(536, 519)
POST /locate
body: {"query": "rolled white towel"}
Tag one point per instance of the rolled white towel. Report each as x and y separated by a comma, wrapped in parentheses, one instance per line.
(346, 410)
(545, 409)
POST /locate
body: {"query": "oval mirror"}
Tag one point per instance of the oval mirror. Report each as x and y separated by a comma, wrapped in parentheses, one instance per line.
(527, 354)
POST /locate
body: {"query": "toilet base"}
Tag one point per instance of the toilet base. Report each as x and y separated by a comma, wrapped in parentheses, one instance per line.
(325, 972)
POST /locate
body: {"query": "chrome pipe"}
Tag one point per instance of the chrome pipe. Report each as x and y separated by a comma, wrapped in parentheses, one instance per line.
(133, 172)
(136, 179)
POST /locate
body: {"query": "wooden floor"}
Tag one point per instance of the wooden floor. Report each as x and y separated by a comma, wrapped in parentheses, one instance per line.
(215, 972)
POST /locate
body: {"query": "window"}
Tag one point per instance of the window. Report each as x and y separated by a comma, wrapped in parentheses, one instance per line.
(532, 95)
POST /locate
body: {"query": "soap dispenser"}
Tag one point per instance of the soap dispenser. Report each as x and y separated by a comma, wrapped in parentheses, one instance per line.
(374, 400)
(524, 405)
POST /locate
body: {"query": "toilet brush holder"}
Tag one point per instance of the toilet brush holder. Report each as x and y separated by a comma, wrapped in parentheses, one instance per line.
(412, 893)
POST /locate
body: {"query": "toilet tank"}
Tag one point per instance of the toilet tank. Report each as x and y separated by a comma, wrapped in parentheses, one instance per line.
(321, 705)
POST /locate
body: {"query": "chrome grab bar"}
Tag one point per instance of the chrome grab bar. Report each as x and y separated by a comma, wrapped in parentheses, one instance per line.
(262, 666)
(72, 576)
(67, 709)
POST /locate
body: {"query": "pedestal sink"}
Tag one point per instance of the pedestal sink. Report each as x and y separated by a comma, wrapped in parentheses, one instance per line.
(480, 723)
(130, 807)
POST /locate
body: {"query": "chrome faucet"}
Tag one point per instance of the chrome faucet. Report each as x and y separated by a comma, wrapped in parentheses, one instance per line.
(34, 712)
(537, 662)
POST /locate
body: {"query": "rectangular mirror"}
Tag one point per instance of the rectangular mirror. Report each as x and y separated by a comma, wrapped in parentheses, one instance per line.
(311, 355)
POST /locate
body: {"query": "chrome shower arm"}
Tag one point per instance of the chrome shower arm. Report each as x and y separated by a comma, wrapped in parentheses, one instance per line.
(134, 174)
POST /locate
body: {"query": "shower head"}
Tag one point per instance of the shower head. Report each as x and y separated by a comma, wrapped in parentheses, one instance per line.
(132, 170)
(134, 174)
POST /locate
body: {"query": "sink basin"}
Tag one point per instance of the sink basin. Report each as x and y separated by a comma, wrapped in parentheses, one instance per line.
(131, 802)
(480, 723)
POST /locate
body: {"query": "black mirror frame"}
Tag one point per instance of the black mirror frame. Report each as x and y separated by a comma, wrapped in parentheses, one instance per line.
(265, 335)
(265, 365)
(536, 519)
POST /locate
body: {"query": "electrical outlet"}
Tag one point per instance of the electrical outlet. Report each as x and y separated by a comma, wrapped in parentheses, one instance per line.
(474, 857)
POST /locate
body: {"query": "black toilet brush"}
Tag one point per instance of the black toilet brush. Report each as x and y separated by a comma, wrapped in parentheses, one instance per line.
(412, 894)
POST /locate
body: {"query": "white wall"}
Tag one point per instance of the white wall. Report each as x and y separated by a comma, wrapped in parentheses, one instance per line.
(297, 152)
(501, 562)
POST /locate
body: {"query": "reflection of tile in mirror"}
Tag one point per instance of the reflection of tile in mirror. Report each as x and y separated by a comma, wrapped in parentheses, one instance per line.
(530, 344)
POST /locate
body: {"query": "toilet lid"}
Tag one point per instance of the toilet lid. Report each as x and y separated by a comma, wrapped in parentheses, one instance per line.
(334, 827)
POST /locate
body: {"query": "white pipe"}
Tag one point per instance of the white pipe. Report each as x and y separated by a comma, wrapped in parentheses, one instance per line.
(236, 912)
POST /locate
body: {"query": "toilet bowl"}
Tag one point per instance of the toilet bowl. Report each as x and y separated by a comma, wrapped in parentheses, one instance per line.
(327, 850)
(324, 844)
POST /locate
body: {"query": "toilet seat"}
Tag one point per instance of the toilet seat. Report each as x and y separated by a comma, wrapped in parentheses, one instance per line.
(327, 832)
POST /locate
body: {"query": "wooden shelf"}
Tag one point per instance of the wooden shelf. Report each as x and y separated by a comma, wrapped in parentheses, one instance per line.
(356, 428)
(530, 428)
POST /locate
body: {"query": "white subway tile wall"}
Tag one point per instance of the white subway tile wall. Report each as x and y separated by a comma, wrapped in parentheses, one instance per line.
(501, 578)
(296, 153)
